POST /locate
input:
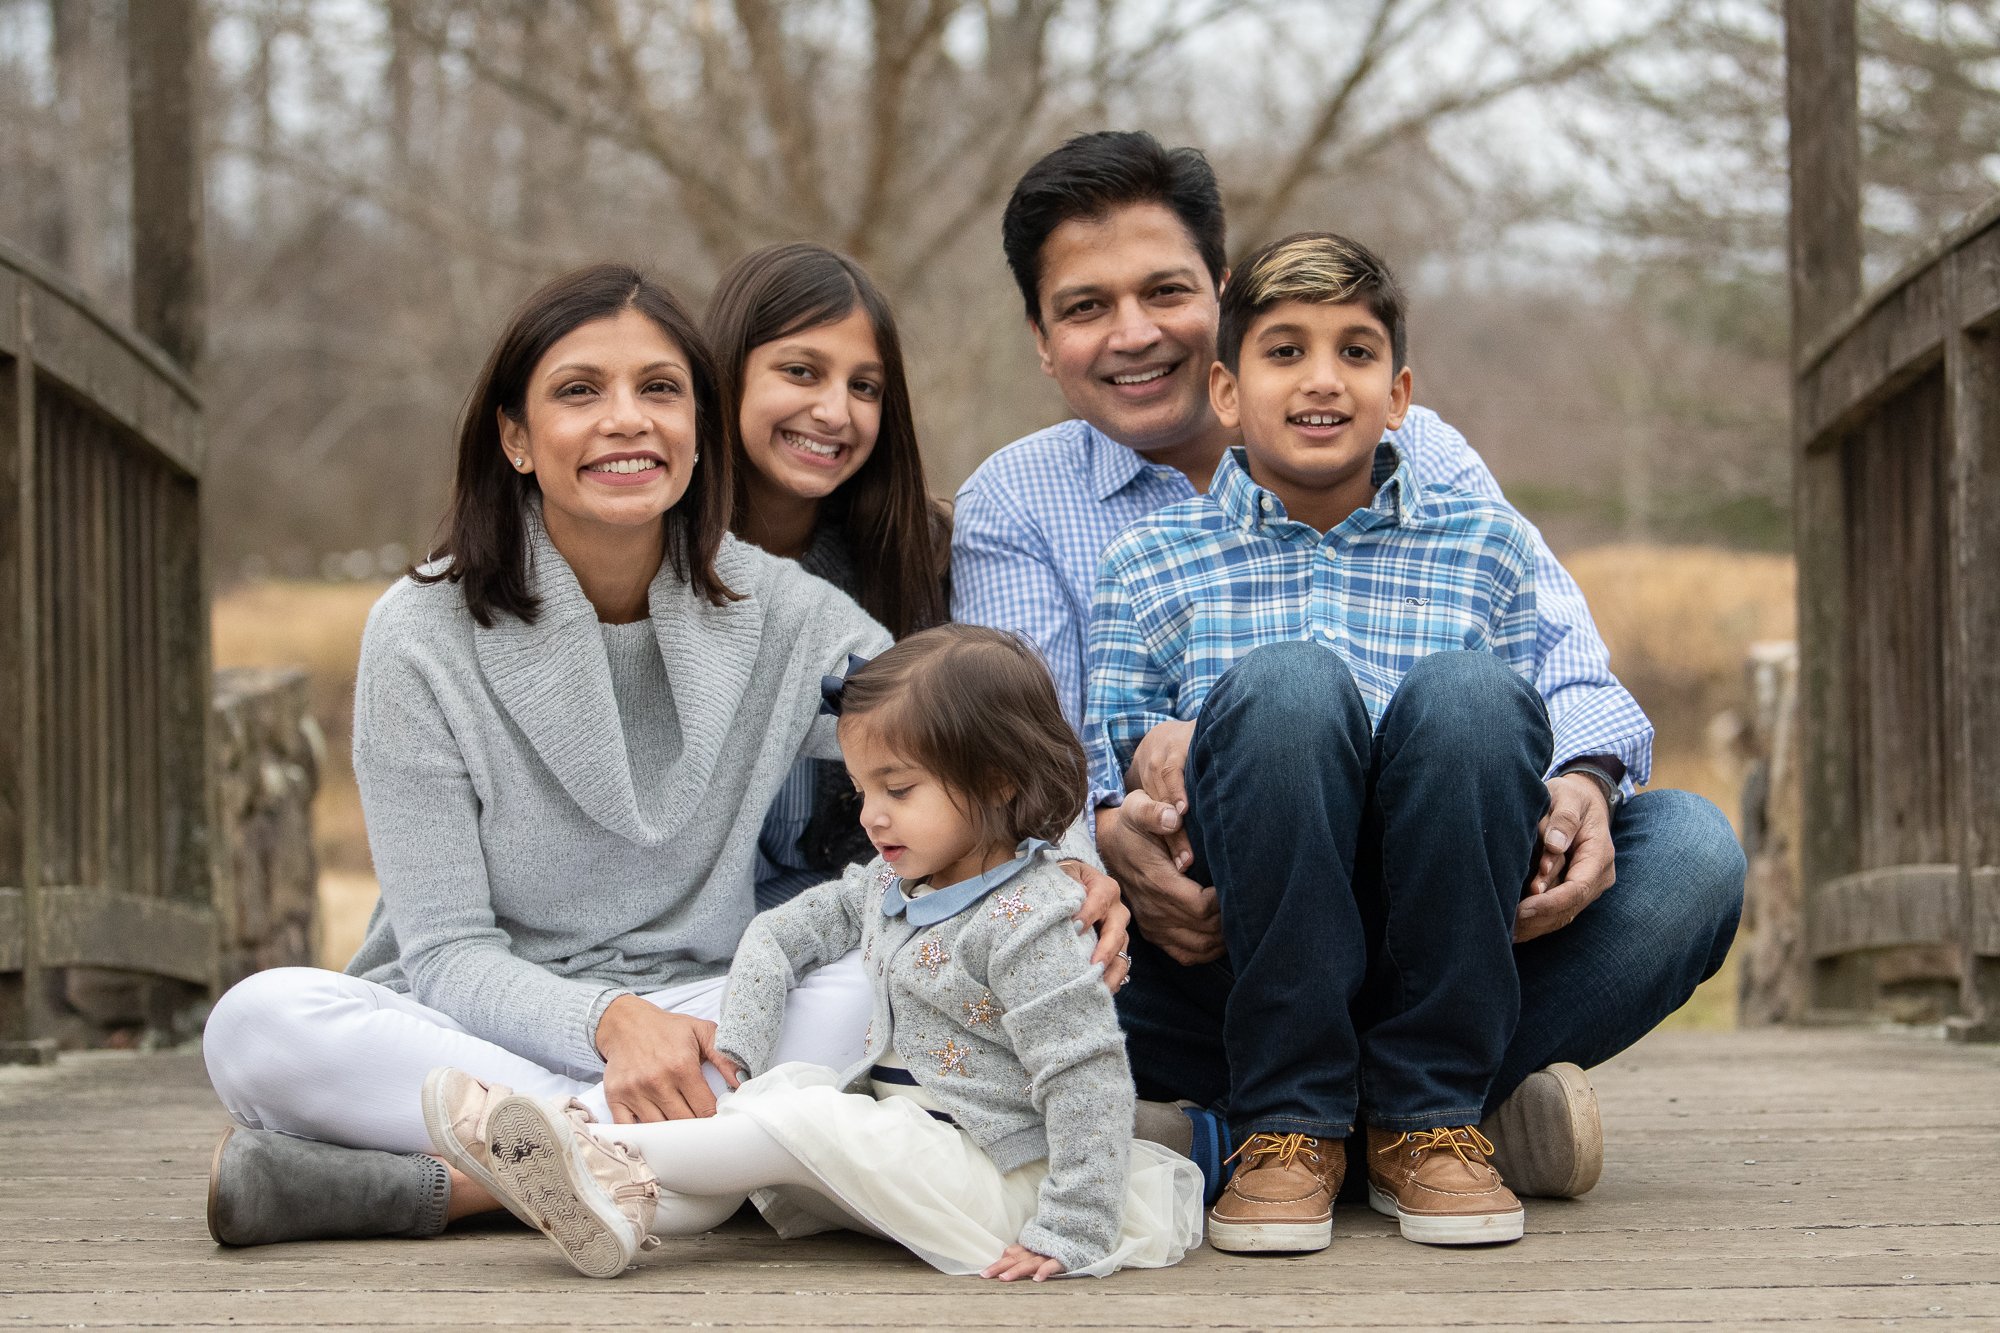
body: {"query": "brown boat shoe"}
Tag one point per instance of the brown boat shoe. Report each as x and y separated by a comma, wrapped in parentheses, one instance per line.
(1440, 1187)
(1548, 1138)
(1280, 1199)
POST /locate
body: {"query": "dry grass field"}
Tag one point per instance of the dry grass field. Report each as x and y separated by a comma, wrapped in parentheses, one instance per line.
(1679, 621)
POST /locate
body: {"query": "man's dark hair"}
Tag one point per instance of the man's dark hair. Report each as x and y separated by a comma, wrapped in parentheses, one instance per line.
(1095, 173)
(975, 707)
(1319, 268)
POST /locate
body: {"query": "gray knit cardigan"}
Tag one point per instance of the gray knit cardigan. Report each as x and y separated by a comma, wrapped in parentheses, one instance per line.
(998, 1011)
(523, 886)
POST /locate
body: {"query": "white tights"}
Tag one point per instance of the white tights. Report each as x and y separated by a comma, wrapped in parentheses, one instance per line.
(707, 1168)
(326, 1056)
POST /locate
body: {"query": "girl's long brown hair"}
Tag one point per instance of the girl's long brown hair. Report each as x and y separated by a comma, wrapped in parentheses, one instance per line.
(900, 538)
(486, 528)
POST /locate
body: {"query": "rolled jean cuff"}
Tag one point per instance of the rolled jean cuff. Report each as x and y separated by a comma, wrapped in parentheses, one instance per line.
(1454, 1118)
(1312, 1129)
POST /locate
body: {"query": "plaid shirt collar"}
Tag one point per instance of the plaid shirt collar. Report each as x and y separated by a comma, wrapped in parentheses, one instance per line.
(1251, 507)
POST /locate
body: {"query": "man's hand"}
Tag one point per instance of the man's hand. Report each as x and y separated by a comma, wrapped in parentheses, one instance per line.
(1105, 911)
(1575, 862)
(1175, 913)
(1159, 768)
(653, 1060)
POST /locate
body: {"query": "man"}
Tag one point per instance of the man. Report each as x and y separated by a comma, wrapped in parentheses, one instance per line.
(1117, 246)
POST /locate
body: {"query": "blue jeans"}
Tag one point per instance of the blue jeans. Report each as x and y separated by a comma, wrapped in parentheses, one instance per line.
(1368, 881)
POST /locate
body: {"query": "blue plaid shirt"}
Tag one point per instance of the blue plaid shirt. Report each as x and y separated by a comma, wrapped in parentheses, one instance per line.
(1032, 524)
(1187, 592)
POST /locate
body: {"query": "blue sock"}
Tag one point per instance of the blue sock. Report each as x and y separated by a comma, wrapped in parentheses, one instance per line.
(1212, 1147)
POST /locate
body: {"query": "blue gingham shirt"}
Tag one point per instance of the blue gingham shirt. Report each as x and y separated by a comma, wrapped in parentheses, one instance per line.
(1032, 524)
(1189, 591)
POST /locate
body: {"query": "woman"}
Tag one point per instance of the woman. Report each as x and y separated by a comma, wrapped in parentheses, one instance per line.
(823, 449)
(567, 729)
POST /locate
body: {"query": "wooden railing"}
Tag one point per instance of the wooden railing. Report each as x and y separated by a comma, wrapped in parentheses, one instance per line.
(1900, 585)
(104, 675)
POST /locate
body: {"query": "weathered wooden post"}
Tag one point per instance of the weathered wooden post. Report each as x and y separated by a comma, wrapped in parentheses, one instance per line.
(169, 307)
(1823, 102)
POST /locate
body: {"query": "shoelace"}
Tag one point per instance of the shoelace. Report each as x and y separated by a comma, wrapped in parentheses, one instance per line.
(1287, 1148)
(1427, 1140)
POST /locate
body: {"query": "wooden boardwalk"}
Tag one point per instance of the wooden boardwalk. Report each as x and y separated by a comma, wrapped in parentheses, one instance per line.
(1754, 1179)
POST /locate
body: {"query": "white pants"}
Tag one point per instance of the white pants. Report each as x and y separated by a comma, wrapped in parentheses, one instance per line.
(326, 1056)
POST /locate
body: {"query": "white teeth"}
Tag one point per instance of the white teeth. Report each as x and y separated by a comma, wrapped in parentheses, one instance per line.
(811, 446)
(623, 465)
(1318, 419)
(1141, 377)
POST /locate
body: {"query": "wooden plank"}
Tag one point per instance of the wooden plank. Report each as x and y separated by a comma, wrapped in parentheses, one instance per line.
(1901, 339)
(1822, 103)
(1898, 614)
(81, 926)
(30, 1019)
(1976, 276)
(99, 598)
(1974, 626)
(1986, 912)
(185, 690)
(74, 349)
(16, 596)
(1878, 909)
(55, 289)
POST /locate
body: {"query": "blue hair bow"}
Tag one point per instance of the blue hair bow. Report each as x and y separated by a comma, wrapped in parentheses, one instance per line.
(832, 688)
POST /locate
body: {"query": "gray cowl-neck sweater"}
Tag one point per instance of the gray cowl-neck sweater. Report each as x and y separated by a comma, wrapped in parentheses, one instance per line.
(525, 884)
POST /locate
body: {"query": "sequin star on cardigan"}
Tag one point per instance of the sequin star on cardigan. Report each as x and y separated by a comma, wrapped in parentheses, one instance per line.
(998, 1012)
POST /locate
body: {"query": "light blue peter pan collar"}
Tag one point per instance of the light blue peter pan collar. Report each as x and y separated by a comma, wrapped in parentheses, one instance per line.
(945, 904)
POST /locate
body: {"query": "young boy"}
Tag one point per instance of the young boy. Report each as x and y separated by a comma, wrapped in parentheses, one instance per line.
(1347, 659)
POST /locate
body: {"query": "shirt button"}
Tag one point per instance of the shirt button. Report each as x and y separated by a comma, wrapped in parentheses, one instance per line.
(1265, 504)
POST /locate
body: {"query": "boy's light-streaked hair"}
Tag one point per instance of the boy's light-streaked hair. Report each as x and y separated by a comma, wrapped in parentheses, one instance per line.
(1317, 267)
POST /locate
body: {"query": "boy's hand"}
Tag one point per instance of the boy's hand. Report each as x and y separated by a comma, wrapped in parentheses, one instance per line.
(1105, 912)
(1159, 768)
(1576, 862)
(653, 1060)
(1178, 915)
(1018, 1261)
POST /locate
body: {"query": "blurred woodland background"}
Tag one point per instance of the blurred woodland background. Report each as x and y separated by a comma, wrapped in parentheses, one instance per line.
(1586, 198)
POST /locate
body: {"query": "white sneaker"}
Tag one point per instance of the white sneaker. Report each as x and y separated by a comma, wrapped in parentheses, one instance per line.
(593, 1197)
(456, 1108)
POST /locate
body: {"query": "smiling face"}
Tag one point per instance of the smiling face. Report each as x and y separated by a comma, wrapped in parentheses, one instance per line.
(909, 814)
(1128, 315)
(607, 428)
(812, 405)
(1314, 393)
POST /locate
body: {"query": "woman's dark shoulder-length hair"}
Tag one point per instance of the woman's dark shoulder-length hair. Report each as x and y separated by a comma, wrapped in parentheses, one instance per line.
(486, 538)
(900, 538)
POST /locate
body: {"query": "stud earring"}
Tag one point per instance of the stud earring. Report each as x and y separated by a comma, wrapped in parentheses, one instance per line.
(519, 461)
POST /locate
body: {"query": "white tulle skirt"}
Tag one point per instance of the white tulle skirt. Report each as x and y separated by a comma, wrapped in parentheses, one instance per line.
(923, 1183)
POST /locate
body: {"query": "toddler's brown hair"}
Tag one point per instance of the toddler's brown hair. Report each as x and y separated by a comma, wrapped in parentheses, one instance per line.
(976, 707)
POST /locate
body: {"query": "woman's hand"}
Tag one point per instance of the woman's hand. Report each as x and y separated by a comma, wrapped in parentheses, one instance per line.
(653, 1060)
(1104, 910)
(1018, 1261)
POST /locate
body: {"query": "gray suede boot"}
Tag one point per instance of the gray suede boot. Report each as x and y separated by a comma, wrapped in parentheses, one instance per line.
(265, 1187)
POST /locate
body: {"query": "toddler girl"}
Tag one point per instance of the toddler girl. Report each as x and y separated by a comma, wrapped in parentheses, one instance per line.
(988, 1126)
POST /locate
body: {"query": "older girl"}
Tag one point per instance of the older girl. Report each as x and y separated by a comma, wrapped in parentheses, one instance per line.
(823, 447)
